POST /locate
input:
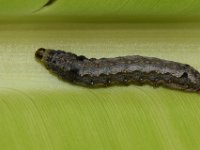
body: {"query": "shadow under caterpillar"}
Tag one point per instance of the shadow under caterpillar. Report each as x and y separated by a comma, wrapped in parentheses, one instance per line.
(92, 72)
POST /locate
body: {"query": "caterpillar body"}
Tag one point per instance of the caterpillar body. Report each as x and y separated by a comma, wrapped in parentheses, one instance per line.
(135, 69)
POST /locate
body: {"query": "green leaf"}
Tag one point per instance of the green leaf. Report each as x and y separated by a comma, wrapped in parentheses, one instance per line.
(124, 10)
(39, 111)
(19, 7)
(102, 10)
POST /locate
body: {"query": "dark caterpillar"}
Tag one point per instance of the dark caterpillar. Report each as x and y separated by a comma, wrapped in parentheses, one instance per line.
(120, 70)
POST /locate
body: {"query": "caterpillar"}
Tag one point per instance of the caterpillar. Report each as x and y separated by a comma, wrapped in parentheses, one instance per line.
(135, 69)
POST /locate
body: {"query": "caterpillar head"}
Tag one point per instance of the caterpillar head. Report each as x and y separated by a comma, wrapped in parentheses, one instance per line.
(56, 59)
(49, 54)
(40, 53)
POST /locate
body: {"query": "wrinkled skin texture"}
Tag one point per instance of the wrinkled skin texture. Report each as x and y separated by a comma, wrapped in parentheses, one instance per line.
(120, 70)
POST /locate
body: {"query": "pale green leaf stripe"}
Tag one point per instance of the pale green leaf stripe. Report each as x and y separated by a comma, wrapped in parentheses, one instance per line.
(38, 111)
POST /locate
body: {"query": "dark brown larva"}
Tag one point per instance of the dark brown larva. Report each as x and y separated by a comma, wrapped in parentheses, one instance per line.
(120, 70)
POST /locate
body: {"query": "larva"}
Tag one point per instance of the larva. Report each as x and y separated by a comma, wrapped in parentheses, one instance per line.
(92, 72)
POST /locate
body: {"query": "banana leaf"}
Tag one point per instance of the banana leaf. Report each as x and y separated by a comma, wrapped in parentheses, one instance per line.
(40, 111)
